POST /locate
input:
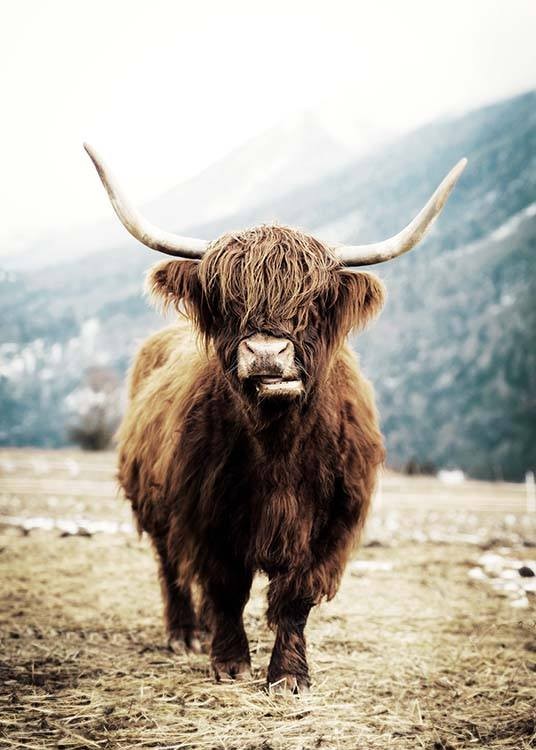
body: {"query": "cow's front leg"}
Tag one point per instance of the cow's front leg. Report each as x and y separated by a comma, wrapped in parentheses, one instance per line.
(288, 613)
(226, 594)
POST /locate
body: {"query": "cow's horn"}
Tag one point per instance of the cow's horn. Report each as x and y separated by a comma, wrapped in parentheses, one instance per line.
(378, 252)
(138, 226)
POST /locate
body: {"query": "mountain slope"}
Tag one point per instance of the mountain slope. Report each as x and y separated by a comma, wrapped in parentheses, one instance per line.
(452, 356)
(457, 381)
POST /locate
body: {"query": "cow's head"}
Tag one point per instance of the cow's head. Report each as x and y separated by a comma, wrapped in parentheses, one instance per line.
(273, 302)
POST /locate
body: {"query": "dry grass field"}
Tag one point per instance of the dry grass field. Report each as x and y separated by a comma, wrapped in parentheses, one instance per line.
(430, 643)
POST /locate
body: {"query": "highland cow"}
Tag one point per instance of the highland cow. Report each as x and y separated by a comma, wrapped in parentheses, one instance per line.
(251, 439)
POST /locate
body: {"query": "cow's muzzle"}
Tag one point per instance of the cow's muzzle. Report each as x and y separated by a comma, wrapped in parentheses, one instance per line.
(268, 363)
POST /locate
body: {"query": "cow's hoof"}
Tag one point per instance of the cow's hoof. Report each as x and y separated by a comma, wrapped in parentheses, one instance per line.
(289, 684)
(185, 639)
(231, 670)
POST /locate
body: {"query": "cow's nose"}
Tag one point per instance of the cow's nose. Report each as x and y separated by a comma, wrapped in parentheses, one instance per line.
(261, 345)
(261, 354)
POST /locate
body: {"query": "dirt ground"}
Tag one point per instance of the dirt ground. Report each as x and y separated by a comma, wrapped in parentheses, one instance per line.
(430, 643)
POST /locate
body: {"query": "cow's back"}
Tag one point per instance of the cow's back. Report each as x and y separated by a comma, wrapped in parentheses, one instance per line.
(177, 343)
(163, 371)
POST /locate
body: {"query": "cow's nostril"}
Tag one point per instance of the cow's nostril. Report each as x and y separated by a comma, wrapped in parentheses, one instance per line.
(284, 347)
(249, 347)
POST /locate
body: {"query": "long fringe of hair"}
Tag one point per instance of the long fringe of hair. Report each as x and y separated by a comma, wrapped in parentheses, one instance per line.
(266, 272)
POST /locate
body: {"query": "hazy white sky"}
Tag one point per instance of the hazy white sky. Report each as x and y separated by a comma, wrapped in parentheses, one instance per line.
(162, 88)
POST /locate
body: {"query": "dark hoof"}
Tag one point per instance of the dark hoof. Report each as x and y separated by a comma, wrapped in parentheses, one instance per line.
(184, 640)
(289, 684)
(224, 671)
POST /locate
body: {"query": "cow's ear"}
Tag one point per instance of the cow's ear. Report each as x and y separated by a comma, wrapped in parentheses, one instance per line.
(174, 283)
(361, 295)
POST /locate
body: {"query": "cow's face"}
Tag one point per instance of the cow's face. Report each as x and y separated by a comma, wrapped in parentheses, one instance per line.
(275, 304)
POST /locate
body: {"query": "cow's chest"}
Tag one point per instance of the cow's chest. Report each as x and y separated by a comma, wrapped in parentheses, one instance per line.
(276, 497)
(281, 531)
(286, 512)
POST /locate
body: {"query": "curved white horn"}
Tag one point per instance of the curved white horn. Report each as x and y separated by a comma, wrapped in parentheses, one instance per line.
(378, 252)
(138, 226)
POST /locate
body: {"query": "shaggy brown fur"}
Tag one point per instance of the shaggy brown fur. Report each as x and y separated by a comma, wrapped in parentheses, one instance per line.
(226, 484)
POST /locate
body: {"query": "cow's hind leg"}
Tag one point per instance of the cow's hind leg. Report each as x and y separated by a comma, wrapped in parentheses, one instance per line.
(179, 612)
(225, 595)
